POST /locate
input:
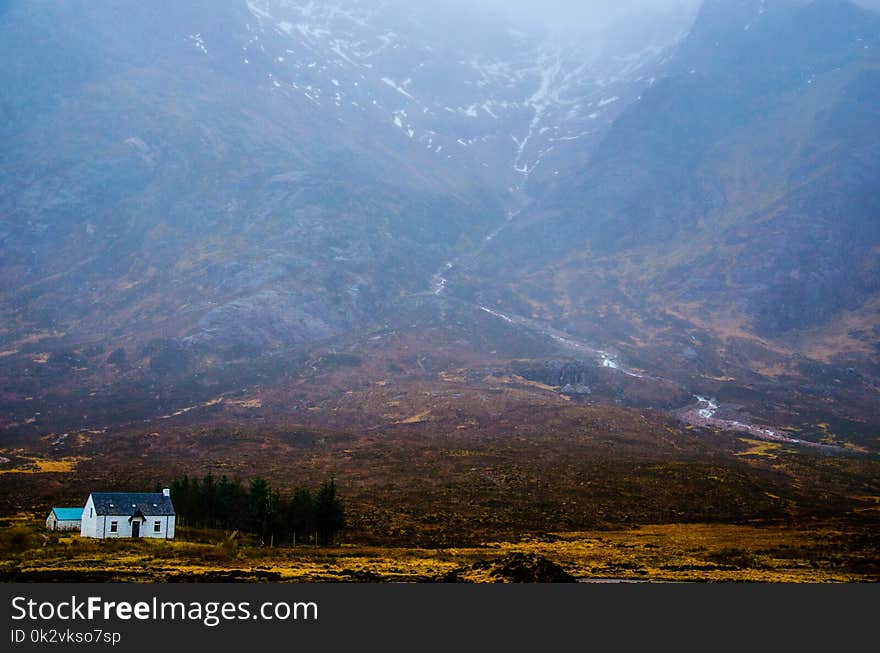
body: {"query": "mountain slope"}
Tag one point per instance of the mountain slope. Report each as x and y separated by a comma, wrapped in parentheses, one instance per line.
(182, 180)
(212, 197)
(738, 193)
(218, 178)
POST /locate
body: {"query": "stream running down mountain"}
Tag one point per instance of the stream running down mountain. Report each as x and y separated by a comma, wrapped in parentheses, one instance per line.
(704, 414)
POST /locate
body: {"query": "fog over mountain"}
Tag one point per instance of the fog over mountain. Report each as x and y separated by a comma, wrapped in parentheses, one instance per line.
(638, 202)
(588, 16)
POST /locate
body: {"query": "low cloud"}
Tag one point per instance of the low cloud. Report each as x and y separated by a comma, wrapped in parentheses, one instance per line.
(585, 14)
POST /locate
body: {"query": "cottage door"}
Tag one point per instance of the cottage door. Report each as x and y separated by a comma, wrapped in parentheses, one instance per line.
(135, 529)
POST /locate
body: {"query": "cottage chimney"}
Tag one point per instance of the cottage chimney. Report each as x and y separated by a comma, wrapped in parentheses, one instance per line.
(166, 492)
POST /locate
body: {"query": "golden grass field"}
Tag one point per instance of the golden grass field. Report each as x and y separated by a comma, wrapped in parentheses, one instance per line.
(826, 553)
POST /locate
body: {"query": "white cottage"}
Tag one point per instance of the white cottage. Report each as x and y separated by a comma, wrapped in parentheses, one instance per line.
(128, 514)
(64, 519)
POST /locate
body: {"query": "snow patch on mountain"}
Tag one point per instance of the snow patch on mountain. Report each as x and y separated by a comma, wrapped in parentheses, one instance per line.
(514, 104)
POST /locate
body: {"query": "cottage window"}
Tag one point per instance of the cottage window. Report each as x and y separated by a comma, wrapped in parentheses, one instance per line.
(157, 526)
(114, 527)
(91, 513)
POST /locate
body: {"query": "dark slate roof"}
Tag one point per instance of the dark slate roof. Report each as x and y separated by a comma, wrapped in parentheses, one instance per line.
(151, 504)
(68, 514)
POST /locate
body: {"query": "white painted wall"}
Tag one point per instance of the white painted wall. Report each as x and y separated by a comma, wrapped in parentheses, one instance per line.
(89, 525)
(54, 524)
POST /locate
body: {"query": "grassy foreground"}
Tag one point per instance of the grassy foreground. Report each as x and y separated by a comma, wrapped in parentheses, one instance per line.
(828, 552)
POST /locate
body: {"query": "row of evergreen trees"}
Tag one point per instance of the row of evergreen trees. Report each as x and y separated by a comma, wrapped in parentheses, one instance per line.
(303, 517)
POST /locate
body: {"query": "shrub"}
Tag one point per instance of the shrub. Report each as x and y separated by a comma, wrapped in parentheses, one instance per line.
(17, 540)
